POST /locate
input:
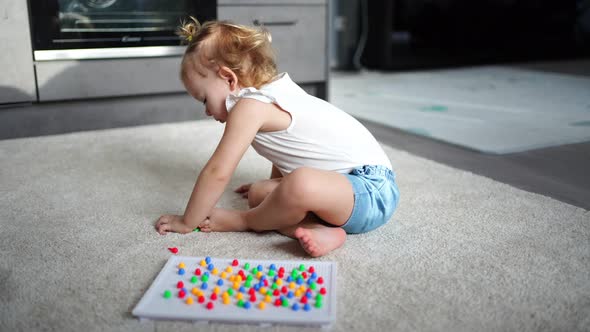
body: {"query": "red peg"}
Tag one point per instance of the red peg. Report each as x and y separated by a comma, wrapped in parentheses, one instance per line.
(210, 305)
(323, 291)
(320, 280)
(173, 250)
(235, 262)
(180, 284)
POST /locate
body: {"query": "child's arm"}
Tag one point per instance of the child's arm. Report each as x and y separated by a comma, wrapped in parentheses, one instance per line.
(242, 124)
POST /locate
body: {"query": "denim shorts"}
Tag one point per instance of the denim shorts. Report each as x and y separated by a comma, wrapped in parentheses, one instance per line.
(375, 198)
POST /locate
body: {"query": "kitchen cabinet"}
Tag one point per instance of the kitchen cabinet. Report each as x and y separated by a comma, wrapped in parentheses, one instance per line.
(17, 81)
(299, 32)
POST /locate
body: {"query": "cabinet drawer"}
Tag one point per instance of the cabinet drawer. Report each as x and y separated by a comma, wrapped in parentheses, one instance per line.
(71, 79)
(298, 36)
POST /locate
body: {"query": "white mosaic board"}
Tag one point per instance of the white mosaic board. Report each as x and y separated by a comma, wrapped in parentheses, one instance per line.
(280, 307)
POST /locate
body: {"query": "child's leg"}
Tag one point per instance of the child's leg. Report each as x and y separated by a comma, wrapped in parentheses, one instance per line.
(315, 237)
(225, 220)
(309, 231)
(308, 205)
(328, 195)
(260, 189)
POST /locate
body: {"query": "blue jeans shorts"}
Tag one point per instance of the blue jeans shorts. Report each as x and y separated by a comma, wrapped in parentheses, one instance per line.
(375, 198)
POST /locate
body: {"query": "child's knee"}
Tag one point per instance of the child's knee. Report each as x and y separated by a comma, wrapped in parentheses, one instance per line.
(297, 188)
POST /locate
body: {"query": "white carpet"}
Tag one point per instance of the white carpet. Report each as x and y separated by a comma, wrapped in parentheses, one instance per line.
(78, 248)
(489, 108)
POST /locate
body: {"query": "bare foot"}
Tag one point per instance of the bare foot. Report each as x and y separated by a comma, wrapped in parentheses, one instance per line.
(318, 241)
(222, 220)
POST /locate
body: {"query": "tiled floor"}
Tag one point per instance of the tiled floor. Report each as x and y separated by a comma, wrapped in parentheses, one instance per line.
(559, 172)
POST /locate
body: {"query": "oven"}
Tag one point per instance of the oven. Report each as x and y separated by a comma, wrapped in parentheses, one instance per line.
(90, 29)
(108, 48)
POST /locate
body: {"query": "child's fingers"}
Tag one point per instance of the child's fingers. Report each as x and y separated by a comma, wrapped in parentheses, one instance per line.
(163, 229)
(163, 225)
(161, 220)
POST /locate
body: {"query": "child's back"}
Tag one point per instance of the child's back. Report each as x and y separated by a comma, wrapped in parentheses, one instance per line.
(320, 135)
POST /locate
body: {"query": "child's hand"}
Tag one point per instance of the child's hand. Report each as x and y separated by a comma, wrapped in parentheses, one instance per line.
(243, 189)
(172, 223)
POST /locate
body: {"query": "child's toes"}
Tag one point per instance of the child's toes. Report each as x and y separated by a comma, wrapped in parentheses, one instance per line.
(205, 226)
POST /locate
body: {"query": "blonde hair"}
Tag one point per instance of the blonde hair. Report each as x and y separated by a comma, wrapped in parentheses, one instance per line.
(246, 51)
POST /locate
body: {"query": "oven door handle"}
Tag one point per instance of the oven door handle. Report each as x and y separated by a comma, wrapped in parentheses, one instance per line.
(258, 22)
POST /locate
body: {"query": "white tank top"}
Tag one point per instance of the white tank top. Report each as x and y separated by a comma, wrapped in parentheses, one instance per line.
(320, 135)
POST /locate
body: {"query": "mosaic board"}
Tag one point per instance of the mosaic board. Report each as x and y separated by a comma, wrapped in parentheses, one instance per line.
(242, 291)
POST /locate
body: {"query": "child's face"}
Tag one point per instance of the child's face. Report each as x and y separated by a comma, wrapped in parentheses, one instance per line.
(209, 88)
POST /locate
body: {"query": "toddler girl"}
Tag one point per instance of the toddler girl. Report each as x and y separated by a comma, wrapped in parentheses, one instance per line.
(329, 175)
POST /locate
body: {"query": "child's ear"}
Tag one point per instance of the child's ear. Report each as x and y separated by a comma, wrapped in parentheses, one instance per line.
(229, 76)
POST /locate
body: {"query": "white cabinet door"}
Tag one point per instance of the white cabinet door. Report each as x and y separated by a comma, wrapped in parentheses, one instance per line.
(298, 36)
(17, 78)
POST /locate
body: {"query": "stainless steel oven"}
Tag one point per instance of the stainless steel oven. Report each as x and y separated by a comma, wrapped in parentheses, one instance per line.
(87, 29)
(105, 48)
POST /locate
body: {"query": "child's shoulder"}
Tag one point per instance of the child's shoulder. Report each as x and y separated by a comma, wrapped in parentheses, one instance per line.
(269, 93)
(249, 93)
(270, 116)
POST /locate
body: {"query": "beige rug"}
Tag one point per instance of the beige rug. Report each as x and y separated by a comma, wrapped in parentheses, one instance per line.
(78, 247)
